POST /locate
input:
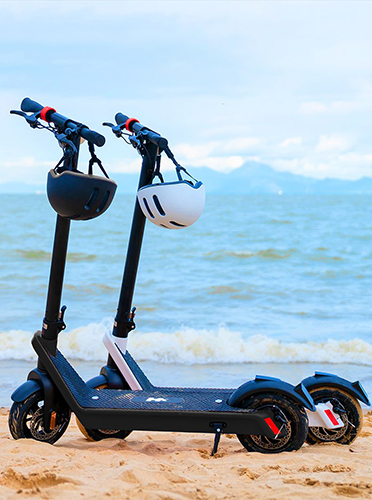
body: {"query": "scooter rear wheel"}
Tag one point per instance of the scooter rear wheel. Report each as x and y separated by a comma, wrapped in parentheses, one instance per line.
(26, 420)
(350, 413)
(292, 422)
(99, 434)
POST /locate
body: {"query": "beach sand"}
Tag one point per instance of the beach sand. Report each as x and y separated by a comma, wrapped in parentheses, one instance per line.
(178, 466)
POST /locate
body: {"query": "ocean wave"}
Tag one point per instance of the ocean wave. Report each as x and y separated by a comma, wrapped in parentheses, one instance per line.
(41, 255)
(270, 253)
(191, 346)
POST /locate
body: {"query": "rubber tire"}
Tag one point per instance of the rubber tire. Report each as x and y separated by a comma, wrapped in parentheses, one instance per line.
(99, 434)
(18, 419)
(296, 415)
(354, 414)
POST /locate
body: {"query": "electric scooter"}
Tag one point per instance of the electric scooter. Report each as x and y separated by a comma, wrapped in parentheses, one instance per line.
(267, 414)
(338, 416)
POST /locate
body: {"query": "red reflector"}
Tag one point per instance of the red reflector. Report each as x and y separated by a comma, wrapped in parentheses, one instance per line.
(331, 417)
(272, 426)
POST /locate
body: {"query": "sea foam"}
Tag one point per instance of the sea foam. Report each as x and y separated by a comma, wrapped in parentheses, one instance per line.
(192, 346)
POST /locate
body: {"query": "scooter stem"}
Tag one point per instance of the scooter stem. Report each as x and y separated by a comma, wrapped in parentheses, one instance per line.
(123, 320)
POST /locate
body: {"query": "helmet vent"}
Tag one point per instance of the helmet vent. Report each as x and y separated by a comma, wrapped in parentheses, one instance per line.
(158, 205)
(103, 202)
(148, 208)
(176, 224)
(162, 225)
(92, 198)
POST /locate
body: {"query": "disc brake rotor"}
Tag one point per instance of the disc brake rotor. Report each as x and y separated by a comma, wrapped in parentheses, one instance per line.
(36, 426)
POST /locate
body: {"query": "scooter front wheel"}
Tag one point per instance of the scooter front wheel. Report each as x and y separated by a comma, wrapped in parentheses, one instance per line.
(99, 434)
(26, 420)
(290, 419)
(349, 410)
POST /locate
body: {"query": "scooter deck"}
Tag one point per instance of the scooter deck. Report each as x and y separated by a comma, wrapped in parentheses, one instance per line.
(162, 408)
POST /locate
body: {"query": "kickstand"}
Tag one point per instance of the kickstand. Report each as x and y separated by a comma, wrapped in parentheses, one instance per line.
(217, 437)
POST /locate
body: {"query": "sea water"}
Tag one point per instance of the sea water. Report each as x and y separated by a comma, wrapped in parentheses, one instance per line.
(275, 285)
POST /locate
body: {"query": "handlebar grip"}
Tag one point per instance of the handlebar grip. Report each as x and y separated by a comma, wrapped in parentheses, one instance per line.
(92, 136)
(30, 106)
(120, 118)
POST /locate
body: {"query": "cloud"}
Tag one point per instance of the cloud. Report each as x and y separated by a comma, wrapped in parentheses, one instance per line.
(349, 166)
(197, 151)
(290, 141)
(125, 166)
(316, 107)
(333, 142)
(312, 108)
(25, 169)
(219, 163)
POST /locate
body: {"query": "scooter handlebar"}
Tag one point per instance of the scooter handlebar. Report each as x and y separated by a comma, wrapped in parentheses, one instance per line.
(135, 126)
(50, 115)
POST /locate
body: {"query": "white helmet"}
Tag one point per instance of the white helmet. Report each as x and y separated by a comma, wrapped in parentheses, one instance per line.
(172, 205)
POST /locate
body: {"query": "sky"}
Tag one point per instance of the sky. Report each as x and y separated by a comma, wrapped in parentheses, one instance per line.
(285, 83)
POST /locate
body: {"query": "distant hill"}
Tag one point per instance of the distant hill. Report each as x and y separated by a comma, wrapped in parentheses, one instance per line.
(251, 178)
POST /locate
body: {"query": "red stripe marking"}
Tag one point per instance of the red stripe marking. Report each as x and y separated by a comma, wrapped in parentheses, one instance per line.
(272, 426)
(45, 111)
(129, 123)
(331, 417)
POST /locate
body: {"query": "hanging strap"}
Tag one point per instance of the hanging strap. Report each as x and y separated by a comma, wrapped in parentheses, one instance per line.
(179, 168)
(157, 172)
(94, 159)
(66, 154)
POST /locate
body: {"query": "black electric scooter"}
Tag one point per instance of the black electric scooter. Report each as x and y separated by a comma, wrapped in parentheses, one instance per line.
(267, 414)
(338, 416)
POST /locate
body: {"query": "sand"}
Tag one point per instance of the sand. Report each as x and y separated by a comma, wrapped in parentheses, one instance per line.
(178, 466)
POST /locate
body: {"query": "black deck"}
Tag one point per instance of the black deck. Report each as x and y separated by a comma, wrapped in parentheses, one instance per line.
(189, 399)
(156, 408)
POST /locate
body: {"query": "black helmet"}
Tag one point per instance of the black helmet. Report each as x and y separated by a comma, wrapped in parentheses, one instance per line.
(79, 196)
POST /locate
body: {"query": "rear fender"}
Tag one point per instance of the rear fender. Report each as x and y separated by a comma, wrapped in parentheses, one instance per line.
(262, 384)
(321, 379)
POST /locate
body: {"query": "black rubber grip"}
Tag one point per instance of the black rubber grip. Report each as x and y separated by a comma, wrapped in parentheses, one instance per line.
(120, 118)
(30, 106)
(92, 136)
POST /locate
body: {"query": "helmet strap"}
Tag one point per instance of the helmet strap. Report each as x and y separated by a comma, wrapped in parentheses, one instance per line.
(94, 159)
(157, 170)
(170, 155)
(178, 170)
(67, 153)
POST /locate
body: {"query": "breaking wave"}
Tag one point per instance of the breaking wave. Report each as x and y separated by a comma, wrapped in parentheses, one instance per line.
(191, 346)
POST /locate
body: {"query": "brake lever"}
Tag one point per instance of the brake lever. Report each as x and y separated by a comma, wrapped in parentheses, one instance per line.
(117, 129)
(32, 120)
(17, 112)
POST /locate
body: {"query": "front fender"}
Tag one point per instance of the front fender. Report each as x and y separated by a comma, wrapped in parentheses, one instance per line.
(321, 379)
(25, 390)
(260, 384)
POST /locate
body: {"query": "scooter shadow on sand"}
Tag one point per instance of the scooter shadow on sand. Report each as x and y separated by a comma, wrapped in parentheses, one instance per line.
(267, 414)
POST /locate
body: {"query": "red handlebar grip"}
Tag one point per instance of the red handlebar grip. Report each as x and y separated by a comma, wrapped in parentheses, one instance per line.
(129, 123)
(45, 111)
